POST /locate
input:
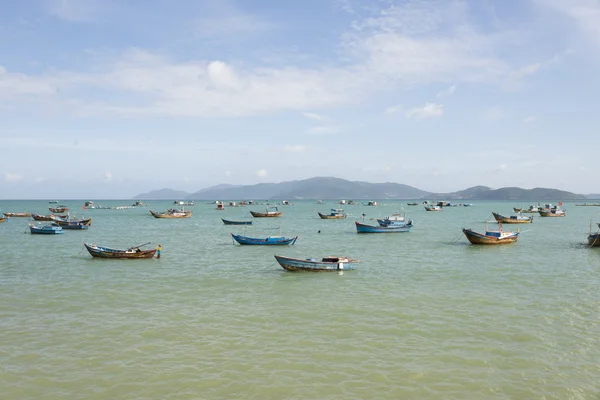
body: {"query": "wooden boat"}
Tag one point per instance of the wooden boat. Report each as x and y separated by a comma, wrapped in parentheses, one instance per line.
(271, 240)
(552, 212)
(433, 208)
(336, 213)
(363, 228)
(412, 204)
(220, 206)
(491, 236)
(59, 209)
(17, 215)
(74, 225)
(310, 264)
(594, 238)
(3, 219)
(397, 219)
(132, 252)
(530, 210)
(271, 212)
(51, 217)
(171, 213)
(66, 222)
(229, 222)
(513, 219)
(50, 229)
(372, 203)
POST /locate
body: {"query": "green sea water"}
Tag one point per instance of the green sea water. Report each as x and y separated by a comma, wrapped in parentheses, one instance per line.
(424, 316)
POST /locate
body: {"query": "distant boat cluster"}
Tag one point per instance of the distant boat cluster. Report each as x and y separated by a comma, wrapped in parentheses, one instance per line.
(393, 223)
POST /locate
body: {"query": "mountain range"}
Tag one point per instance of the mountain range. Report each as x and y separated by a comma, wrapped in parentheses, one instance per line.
(336, 188)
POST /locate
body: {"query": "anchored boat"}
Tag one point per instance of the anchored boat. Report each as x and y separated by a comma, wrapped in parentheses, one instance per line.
(310, 264)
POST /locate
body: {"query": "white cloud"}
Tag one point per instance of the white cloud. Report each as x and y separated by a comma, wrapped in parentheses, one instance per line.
(429, 110)
(530, 119)
(323, 130)
(446, 92)
(261, 173)
(295, 148)
(107, 176)
(228, 173)
(394, 109)
(525, 71)
(585, 13)
(316, 117)
(12, 177)
(398, 47)
(79, 10)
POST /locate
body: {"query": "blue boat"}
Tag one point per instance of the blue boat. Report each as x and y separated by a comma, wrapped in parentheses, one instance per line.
(363, 228)
(229, 222)
(311, 264)
(271, 240)
(395, 220)
(50, 229)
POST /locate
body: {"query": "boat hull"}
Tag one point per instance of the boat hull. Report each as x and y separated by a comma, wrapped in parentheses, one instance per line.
(512, 220)
(167, 215)
(594, 240)
(479, 238)
(362, 228)
(45, 230)
(274, 214)
(105, 252)
(552, 214)
(17, 215)
(228, 222)
(64, 223)
(296, 264)
(327, 216)
(270, 241)
(434, 208)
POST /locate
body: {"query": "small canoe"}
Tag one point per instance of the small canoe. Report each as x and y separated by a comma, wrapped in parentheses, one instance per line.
(513, 219)
(105, 252)
(491, 236)
(363, 228)
(313, 265)
(271, 240)
(50, 229)
(171, 213)
(51, 217)
(273, 212)
(229, 222)
(17, 215)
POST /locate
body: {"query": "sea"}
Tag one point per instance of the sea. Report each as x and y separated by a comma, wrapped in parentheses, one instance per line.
(425, 315)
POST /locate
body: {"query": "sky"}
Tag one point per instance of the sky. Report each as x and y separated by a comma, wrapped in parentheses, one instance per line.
(111, 98)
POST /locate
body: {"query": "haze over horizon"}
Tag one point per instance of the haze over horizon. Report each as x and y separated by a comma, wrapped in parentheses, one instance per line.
(109, 99)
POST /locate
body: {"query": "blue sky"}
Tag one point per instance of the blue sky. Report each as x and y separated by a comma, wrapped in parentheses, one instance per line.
(107, 98)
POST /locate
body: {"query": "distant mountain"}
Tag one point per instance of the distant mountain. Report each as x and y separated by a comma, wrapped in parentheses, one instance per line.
(511, 193)
(163, 194)
(336, 188)
(593, 196)
(313, 188)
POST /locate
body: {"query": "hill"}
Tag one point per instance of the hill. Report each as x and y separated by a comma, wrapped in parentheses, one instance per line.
(313, 188)
(163, 194)
(510, 193)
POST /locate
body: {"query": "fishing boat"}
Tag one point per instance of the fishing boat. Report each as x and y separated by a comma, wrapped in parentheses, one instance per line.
(530, 210)
(50, 229)
(372, 203)
(17, 215)
(53, 202)
(433, 208)
(220, 206)
(75, 225)
(51, 217)
(491, 236)
(336, 213)
(171, 213)
(552, 211)
(363, 228)
(229, 222)
(73, 221)
(271, 240)
(594, 238)
(412, 204)
(513, 219)
(59, 209)
(397, 219)
(3, 219)
(132, 252)
(272, 212)
(184, 203)
(310, 264)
